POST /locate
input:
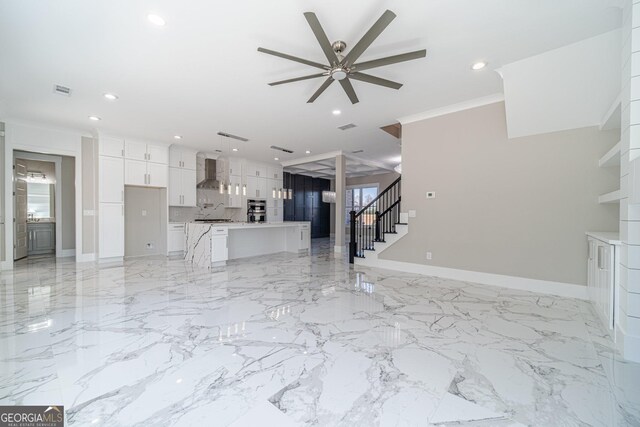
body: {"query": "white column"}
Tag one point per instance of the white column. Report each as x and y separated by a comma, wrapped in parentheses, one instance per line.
(628, 335)
(341, 183)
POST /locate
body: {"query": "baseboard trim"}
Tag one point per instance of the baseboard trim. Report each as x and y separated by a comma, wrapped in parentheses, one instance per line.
(511, 282)
(66, 253)
(627, 345)
(86, 258)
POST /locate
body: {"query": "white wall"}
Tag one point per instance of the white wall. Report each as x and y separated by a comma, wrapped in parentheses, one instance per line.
(566, 88)
(38, 138)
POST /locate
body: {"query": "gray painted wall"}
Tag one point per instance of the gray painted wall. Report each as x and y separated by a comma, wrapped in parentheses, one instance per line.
(89, 195)
(68, 195)
(517, 207)
(145, 220)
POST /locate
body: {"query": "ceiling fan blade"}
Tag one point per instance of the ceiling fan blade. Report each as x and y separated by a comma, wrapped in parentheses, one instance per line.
(292, 58)
(321, 36)
(297, 79)
(366, 40)
(348, 88)
(324, 86)
(390, 60)
(375, 80)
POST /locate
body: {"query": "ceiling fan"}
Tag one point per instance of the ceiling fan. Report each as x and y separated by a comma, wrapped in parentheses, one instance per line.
(344, 67)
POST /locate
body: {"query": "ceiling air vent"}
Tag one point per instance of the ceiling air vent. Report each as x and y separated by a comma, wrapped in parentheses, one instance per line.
(62, 90)
(228, 135)
(275, 147)
(357, 151)
(346, 127)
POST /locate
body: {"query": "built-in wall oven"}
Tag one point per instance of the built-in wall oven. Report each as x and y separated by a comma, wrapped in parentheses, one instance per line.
(256, 210)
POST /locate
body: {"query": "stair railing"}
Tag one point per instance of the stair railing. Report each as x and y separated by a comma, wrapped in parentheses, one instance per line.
(373, 221)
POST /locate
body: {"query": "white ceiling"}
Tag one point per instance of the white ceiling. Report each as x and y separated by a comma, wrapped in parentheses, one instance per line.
(201, 73)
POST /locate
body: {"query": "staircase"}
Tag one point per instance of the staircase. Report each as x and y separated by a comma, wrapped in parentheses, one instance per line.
(378, 225)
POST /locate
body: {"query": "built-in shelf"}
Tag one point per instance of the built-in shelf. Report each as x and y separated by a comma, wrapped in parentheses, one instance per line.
(611, 119)
(611, 158)
(612, 197)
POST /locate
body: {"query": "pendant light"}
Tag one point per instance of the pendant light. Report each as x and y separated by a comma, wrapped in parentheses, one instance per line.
(237, 189)
(244, 189)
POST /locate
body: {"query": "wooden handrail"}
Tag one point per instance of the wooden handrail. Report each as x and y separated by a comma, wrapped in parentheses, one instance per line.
(379, 196)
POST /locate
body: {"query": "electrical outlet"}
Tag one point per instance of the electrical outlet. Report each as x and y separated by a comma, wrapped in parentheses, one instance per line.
(412, 214)
(144, 212)
(429, 255)
(149, 245)
(431, 194)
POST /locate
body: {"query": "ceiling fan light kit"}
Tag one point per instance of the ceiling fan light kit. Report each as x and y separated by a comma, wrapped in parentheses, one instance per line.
(343, 68)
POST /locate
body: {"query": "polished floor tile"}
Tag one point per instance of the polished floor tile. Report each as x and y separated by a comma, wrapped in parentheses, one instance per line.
(301, 340)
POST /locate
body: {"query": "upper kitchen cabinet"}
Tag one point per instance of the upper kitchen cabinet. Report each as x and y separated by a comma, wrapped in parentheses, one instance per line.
(181, 157)
(274, 172)
(112, 147)
(145, 174)
(256, 169)
(138, 150)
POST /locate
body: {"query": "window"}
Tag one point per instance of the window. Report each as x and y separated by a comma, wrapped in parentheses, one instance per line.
(40, 200)
(359, 197)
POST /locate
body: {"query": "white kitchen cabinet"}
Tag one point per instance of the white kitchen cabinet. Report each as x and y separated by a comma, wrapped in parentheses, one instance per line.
(112, 147)
(157, 154)
(135, 150)
(256, 187)
(274, 172)
(181, 157)
(275, 214)
(111, 179)
(175, 238)
(182, 187)
(256, 169)
(138, 150)
(145, 174)
(157, 175)
(603, 276)
(219, 248)
(235, 167)
(298, 238)
(111, 230)
(135, 172)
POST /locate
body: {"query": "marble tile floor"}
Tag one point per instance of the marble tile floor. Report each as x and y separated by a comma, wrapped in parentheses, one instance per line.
(301, 340)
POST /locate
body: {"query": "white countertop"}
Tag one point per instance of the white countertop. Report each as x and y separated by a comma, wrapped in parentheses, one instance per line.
(247, 225)
(610, 237)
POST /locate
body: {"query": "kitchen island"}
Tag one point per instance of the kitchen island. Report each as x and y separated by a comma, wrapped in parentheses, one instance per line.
(212, 244)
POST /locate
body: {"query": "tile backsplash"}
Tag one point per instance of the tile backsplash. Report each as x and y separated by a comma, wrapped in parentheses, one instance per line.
(215, 209)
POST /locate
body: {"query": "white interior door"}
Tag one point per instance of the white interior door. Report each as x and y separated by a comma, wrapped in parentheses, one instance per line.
(20, 234)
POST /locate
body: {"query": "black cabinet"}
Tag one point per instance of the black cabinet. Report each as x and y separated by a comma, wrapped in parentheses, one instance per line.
(307, 204)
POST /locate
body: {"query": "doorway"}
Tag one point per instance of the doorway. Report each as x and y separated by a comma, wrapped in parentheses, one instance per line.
(43, 205)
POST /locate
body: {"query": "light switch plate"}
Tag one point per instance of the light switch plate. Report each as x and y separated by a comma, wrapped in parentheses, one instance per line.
(144, 212)
(431, 194)
(412, 214)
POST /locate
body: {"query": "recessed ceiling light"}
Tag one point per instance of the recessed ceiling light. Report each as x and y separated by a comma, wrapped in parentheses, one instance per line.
(276, 158)
(235, 149)
(95, 118)
(478, 65)
(177, 137)
(308, 152)
(336, 112)
(110, 96)
(155, 19)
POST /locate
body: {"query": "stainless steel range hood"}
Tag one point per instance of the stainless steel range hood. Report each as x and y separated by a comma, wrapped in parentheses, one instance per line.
(210, 181)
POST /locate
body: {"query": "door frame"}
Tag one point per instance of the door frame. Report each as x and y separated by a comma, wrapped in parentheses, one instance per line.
(38, 138)
(57, 160)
